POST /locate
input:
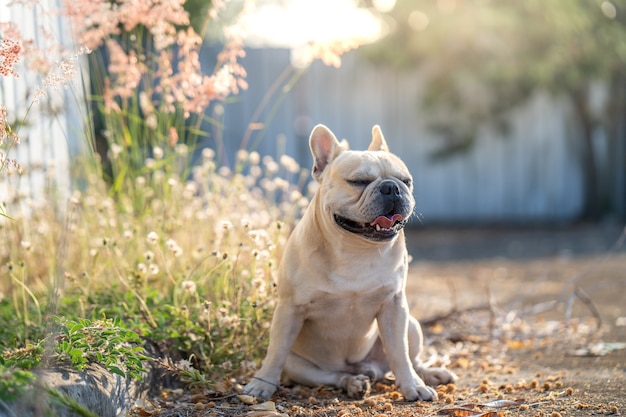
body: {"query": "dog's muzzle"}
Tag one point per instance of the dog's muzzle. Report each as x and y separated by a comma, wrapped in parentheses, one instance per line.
(381, 229)
(393, 215)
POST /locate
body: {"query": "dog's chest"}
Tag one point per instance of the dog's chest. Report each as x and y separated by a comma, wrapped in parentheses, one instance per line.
(339, 301)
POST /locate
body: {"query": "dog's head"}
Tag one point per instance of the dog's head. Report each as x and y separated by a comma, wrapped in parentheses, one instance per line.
(365, 193)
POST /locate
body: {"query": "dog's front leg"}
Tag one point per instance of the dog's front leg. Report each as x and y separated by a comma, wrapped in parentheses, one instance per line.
(286, 325)
(393, 322)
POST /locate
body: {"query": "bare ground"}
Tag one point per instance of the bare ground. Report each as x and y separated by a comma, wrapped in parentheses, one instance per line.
(532, 320)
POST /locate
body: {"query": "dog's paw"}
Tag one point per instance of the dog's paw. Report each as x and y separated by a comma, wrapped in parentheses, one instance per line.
(419, 392)
(260, 389)
(357, 386)
(436, 376)
(373, 371)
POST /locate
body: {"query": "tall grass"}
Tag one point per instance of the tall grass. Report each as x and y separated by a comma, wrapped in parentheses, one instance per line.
(153, 249)
(193, 268)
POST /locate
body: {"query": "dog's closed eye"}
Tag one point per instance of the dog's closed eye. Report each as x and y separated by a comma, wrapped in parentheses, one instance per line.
(360, 182)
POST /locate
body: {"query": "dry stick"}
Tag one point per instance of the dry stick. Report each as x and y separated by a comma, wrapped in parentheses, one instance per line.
(578, 292)
(586, 300)
(435, 319)
(491, 309)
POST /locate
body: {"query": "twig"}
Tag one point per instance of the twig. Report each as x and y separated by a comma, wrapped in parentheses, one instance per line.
(435, 319)
(492, 313)
(586, 300)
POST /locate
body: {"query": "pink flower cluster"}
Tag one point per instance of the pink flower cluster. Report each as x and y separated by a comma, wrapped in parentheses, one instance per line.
(9, 55)
(94, 21)
(97, 22)
(8, 138)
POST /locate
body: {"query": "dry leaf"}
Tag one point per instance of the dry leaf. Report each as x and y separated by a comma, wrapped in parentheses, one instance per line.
(266, 406)
(462, 363)
(146, 408)
(516, 344)
(458, 412)
(503, 403)
(266, 414)
(246, 399)
(467, 412)
(221, 387)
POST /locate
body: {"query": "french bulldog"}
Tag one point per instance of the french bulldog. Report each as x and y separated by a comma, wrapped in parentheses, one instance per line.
(342, 317)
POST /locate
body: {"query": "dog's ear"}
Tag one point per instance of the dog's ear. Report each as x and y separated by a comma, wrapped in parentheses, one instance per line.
(324, 147)
(378, 140)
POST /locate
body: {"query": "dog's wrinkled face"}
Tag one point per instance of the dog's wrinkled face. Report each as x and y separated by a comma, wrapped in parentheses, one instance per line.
(366, 193)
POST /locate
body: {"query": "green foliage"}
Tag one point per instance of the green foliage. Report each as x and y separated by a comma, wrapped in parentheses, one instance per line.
(106, 342)
(60, 399)
(483, 58)
(191, 273)
(13, 381)
(182, 255)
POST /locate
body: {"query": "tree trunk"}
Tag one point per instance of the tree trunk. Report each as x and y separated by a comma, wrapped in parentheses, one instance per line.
(592, 209)
(617, 142)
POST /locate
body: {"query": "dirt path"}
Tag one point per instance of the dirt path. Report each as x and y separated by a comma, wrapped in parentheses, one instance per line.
(534, 298)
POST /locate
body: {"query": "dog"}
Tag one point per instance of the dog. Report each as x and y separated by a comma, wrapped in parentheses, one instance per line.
(342, 317)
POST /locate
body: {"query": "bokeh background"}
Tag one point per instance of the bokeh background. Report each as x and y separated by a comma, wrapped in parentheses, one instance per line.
(505, 112)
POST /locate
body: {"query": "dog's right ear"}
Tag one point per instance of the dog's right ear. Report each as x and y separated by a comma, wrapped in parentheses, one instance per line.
(324, 147)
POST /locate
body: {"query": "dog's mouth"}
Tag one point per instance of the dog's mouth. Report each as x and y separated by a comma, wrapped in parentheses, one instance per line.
(381, 229)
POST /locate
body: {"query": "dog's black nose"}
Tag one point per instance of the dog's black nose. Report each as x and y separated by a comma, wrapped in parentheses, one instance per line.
(389, 188)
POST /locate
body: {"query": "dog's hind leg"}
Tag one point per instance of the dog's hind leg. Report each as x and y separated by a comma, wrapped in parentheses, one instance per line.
(431, 376)
(300, 371)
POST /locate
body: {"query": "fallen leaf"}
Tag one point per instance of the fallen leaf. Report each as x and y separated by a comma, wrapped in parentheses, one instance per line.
(246, 399)
(266, 406)
(503, 403)
(467, 412)
(221, 387)
(146, 408)
(458, 412)
(516, 344)
(266, 414)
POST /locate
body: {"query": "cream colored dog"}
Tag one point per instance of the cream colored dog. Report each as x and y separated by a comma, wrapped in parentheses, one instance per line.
(342, 317)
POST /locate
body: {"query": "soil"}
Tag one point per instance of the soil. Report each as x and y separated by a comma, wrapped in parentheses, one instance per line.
(532, 320)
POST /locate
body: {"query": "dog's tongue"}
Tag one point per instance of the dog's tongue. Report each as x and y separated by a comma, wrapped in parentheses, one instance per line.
(386, 222)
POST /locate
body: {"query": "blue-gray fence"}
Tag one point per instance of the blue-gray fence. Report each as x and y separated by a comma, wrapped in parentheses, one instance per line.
(533, 173)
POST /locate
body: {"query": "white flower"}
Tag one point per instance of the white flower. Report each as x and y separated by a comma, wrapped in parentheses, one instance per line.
(254, 158)
(152, 238)
(208, 154)
(184, 365)
(289, 164)
(189, 286)
(173, 246)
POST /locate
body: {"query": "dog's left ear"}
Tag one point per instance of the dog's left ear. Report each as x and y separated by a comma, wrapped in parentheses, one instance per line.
(324, 147)
(378, 140)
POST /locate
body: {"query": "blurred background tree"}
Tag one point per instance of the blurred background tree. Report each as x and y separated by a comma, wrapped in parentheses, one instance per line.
(483, 58)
